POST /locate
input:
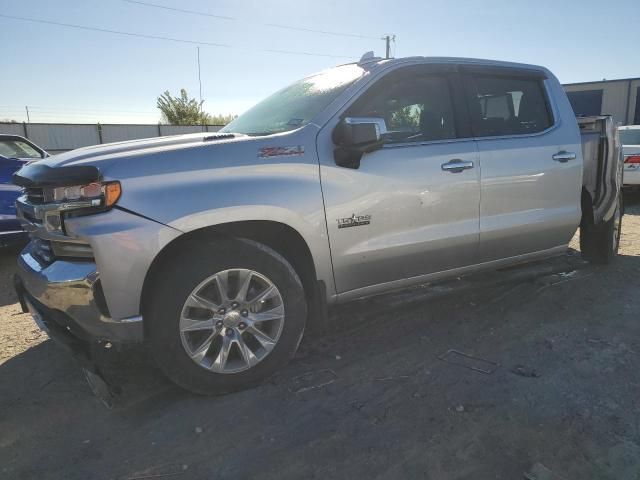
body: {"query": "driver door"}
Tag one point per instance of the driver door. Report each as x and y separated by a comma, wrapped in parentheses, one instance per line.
(404, 212)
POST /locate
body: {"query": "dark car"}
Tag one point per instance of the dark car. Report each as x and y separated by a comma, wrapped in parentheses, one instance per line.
(15, 151)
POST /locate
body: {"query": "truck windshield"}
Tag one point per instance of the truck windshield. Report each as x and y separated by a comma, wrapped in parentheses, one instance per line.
(296, 105)
(630, 136)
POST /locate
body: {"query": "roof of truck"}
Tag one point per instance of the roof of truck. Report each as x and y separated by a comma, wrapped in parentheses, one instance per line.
(376, 63)
(449, 60)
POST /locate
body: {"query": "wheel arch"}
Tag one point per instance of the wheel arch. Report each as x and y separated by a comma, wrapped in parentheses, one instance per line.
(278, 236)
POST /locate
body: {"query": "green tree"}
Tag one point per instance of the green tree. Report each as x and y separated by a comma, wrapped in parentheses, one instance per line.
(181, 110)
(221, 119)
(406, 118)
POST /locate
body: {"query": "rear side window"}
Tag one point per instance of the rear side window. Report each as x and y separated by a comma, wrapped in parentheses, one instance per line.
(501, 105)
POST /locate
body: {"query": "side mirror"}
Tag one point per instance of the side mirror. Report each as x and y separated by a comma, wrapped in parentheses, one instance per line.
(355, 136)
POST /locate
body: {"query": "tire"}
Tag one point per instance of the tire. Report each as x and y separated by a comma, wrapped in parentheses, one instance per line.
(599, 245)
(181, 289)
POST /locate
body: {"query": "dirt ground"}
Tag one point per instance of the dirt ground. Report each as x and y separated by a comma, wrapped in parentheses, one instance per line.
(369, 399)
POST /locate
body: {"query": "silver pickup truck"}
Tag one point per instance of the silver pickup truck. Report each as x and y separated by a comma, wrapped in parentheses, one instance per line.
(219, 250)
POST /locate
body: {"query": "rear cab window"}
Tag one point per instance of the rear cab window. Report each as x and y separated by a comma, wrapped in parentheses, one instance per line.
(501, 105)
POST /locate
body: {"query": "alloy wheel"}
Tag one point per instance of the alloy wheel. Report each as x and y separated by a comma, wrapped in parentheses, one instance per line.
(232, 320)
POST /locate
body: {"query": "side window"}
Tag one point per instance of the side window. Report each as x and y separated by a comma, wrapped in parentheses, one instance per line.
(507, 106)
(415, 107)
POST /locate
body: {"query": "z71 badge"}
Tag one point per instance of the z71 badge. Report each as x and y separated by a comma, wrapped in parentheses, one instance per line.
(354, 221)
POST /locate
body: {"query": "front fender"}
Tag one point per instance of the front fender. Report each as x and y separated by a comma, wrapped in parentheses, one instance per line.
(287, 193)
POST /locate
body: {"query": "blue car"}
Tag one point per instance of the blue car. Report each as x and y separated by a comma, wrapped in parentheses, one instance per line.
(15, 151)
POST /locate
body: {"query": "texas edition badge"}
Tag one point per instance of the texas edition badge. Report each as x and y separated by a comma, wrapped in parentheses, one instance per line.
(354, 221)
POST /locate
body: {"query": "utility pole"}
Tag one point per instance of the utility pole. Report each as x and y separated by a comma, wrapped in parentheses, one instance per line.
(200, 83)
(26, 107)
(388, 39)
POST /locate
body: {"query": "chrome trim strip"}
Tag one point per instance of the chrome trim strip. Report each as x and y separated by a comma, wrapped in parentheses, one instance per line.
(39, 211)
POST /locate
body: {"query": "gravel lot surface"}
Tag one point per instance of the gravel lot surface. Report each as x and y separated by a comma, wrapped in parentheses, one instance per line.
(369, 399)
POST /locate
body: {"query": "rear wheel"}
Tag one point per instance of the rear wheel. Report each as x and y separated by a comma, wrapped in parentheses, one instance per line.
(599, 245)
(225, 315)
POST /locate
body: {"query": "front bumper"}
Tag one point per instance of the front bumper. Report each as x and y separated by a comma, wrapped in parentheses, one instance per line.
(66, 297)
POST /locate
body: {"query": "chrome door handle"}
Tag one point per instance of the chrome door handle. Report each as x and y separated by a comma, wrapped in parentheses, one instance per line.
(564, 157)
(456, 166)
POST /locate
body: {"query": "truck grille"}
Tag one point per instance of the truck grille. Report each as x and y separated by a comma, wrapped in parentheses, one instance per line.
(35, 195)
(41, 249)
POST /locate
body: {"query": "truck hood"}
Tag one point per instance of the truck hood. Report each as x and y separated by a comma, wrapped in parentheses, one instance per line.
(90, 164)
(204, 153)
(100, 153)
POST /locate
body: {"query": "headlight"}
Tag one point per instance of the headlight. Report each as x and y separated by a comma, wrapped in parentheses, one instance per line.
(104, 194)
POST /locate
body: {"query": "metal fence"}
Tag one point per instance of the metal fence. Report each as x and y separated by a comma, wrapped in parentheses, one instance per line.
(60, 137)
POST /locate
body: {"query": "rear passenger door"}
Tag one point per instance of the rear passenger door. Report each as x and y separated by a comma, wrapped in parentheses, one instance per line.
(531, 176)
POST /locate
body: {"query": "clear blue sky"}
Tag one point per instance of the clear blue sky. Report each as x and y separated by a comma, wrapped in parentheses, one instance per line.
(80, 76)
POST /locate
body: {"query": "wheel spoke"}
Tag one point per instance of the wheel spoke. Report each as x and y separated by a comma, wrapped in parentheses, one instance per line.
(222, 281)
(247, 355)
(245, 280)
(198, 301)
(204, 347)
(223, 355)
(265, 340)
(192, 325)
(275, 313)
(264, 295)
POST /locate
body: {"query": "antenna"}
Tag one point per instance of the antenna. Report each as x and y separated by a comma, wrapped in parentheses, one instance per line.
(200, 84)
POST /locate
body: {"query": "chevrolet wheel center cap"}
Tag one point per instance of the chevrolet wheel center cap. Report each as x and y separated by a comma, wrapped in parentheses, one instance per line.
(232, 319)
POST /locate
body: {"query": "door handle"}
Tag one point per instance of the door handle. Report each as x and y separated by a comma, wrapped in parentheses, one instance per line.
(456, 166)
(564, 157)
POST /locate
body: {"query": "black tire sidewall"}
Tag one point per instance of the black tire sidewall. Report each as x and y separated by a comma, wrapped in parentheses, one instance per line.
(177, 279)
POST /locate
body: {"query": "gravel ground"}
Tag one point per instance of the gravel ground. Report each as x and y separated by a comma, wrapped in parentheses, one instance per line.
(370, 398)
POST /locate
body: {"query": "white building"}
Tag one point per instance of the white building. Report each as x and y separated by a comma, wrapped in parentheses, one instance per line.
(620, 98)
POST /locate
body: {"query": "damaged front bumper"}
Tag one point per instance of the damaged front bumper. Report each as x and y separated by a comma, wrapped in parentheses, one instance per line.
(66, 297)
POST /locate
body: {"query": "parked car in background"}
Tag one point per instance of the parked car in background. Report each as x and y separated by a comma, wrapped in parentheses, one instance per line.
(15, 152)
(630, 141)
(218, 250)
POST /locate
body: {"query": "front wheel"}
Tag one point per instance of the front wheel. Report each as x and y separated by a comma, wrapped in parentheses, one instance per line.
(225, 315)
(599, 245)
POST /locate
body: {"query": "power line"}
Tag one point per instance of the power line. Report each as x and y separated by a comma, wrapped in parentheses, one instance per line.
(324, 32)
(170, 39)
(182, 10)
(117, 32)
(273, 25)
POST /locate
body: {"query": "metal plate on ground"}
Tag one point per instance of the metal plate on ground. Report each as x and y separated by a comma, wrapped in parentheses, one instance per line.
(456, 357)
